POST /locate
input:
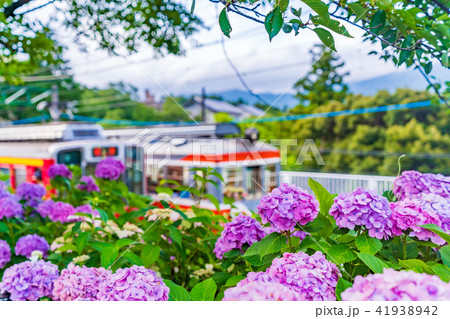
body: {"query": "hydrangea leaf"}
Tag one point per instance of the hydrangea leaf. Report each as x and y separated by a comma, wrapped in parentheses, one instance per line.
(133, 258)
(149, 255)
(438, 231)
(442, 271)
(175, 234)
(341, 286)
(272, 243)
(445, 255)
(254, 257)
(108, 256)
(177, 293)
(204, 291)
(233, 281)
(82, 240)
(374, 263)
(367, 244)
(323, 196)
(3, 228)
(416, 265)
(340, 254)
(123, 242)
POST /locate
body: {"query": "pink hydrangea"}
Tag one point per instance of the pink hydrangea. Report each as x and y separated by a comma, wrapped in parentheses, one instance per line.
(408, 214)
(240, 231)
(29, 280)
(31, 193)
(109, 168)
(438, 205)
(133, 284)
(394, 285)
(363, 208)
(29, 243)
(5, 253)
(9, 207)
(261, 291)
(79, 283)
(413, 184)
(59, 170)
(45, 208)
(87, 183)
(287, 206)
(61, 212)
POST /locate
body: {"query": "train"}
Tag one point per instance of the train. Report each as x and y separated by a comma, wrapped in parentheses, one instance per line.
(249, 166)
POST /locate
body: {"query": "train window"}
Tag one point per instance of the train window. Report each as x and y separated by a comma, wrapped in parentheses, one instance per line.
(134, 172)
(5, 172)
(271, 177)
(255, 189)
(154, 176)
(20, 176)
(69, 157)
(233, 177)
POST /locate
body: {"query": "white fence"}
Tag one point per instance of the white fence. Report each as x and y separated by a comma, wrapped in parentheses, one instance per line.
(338, 183)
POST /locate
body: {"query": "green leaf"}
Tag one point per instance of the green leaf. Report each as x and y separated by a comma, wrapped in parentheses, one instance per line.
(3, 228)
(192, 7)
(103, 215)
(82, 240)
(445, 255)
(319, 7)
(326, 37)
(99, 246)
(321, 226)
(177, 293)
(108, 256)
(283, 4)
(67, 247)
(358, 10)
(322, 194)
(133, 258)
(175, 234)
(273, 22)
(204, 291)
(438, 231)
(213, 200)
(123, 242)
(377, 22)
(272, 243)
(367, 244)
(442, 271)
(331, 24)
(374, 263)
(254, 257)
(224, 23)
(149, 255)
(341, 286)
(233, 281)
(340, 254)
(416, 265)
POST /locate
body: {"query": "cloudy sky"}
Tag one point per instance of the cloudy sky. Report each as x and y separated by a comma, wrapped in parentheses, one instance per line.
(266, 66)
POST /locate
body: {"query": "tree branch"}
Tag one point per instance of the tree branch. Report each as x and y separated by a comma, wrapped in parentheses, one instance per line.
(38, 7)
(9, 10)
(442, 6)
(419, 67)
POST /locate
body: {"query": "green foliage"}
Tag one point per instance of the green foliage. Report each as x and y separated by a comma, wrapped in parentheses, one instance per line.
(204, 291)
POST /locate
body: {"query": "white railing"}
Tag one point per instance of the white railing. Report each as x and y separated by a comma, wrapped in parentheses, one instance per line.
(338, 183)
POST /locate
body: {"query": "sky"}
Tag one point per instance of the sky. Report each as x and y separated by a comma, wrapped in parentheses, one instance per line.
(270, 67)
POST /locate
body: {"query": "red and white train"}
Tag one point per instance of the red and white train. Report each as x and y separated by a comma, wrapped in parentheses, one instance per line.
(249, 167)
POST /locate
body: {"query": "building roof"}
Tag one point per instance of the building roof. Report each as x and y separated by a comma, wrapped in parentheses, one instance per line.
(250, 109)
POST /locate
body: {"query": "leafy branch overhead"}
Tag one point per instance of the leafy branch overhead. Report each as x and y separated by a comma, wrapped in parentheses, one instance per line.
(414, 33)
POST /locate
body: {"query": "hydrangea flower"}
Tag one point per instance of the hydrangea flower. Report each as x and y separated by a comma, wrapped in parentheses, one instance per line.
(408, 214)
(87, 209)
(61, 212)
(261, 291)
(4, 190)
(59, 170)
(133, 284)
(412, 184)
(78, 282)
(29, 280)
(394, 285)
(314, 277)
(45, 208)
(363, 208)
(88, 184)
(438, 205)
(31, 193)
(5, 253)
(29, 243)
(9, 207)
(240, 231)
(286, 206)
(109, 168)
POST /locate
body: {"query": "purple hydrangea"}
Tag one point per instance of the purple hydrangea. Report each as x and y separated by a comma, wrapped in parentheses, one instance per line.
(31, 193)
(240, 231)
(29, 243)
(79, 283)
(9, 207)
(87, 209)
(133, 284)
(408, 214)
(4, 190)
(363, 208)
(261, 291)
(29, 280)
(59, 170)
(286, 206)
(88, 184)
(394, 285)
(413, 184)
(109, 168)
(438, 205)
(5, 253)
(61, 212)
(45, 208)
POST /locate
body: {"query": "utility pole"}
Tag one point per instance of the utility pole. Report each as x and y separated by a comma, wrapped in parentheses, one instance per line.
(54, 106)
(203, 105)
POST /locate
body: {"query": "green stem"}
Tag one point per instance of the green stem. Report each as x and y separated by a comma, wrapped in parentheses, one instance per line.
(427, 253)
(289, 241)
(404, 247)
